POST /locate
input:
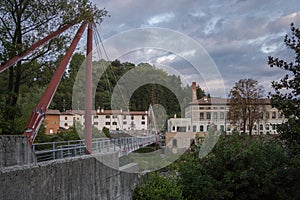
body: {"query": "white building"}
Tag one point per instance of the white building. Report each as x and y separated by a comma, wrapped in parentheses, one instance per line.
(179, 125)
(114, 120)
(206, 112)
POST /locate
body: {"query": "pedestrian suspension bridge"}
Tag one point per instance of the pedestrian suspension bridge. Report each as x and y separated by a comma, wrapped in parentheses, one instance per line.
(57, 150)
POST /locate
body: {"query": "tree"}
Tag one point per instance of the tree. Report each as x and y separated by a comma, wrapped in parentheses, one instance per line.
(157, 187)
(245, 99)
(241, 167)
(62, 99)
(24, 22)
(200, 92)
(286, 96)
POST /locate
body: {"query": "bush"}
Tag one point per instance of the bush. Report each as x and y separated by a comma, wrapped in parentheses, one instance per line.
(241, 168)
(156, 187)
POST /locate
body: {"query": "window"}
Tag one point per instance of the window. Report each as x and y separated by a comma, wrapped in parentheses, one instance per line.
(222, 115)
(208, 115)
(181, 129)
(107, 116)
(274, 126)
(267, 115)
(143, 117)
(201, 128)
(96, 123)
(114, 123)
(201, 115)
(132, 117)
(215, 108)
(222, 128)
(279, 115)
(143, 122)
(194, 128)
(107, 123)
(267, 127)
(215, 115)
(174, 143)
(51, 131)
(114, 116)
(124, 122)
(66, 118)
(66, 124)
(261, 127)
(173, 128)
(124, 116)
(95, 116)
(201, 108)
(273, 115)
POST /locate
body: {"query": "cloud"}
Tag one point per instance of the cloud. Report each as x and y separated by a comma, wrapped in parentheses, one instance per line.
(238, 34)
(157, 19)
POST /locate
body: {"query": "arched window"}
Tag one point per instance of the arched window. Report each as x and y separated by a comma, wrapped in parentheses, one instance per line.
(194, 128)
(201, 128)
(261, 127)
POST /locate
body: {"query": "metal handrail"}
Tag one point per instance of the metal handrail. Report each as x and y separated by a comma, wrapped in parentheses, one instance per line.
(72, 148)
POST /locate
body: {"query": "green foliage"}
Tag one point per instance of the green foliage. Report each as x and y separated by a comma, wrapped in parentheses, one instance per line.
(106, 132)
(156, 187)
(66, 135)
(241, 168)
(32, 21)
(286, 96)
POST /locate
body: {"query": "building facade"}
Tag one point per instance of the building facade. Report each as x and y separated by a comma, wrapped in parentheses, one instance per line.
(114, 120)
(51, 122)
(207, 112)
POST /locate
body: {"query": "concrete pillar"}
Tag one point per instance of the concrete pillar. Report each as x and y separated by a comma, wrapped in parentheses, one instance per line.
(15, 150)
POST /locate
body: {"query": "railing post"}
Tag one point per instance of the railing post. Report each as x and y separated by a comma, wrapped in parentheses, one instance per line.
(69, 149)
(53, 150)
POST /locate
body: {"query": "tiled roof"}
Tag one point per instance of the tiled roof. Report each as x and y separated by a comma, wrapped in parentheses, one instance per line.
(52, 112)
(106, 112)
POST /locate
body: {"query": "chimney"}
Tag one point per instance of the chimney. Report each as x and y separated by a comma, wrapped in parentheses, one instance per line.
(194, 89)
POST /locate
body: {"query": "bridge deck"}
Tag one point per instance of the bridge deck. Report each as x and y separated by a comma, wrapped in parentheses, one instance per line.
(123, 145)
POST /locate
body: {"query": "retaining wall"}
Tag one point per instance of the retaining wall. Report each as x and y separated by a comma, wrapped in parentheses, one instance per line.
(83, 177)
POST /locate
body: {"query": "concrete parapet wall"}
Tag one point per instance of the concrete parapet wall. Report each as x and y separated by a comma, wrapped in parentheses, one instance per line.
(15, 150)
(82, 177)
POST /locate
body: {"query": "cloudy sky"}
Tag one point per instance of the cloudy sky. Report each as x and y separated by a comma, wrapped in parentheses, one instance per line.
(238, 35)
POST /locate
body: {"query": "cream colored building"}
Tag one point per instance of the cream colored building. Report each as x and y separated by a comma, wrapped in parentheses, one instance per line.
(203, 113)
